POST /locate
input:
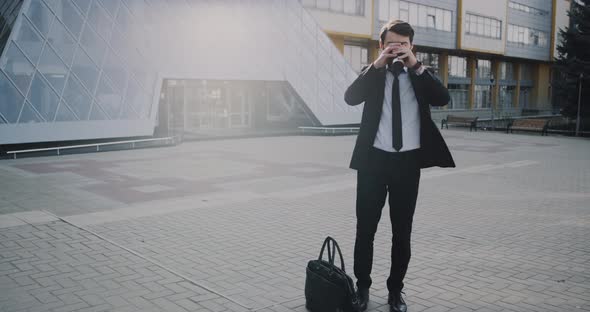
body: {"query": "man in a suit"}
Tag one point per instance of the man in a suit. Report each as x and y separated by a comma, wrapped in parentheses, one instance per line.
(397, 138)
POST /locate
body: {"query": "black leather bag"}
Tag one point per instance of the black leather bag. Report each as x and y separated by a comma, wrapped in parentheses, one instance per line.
(327, 287)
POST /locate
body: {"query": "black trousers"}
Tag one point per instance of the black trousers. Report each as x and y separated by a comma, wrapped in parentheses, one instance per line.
(399, 175)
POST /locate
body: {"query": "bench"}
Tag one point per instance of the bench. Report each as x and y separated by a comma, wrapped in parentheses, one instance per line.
(459, 120)
(540, 125)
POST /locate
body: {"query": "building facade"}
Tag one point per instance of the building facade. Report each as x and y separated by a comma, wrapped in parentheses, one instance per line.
(96, 69)
(488, 53)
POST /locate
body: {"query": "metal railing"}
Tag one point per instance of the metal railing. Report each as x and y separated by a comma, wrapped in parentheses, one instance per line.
(329, 130)
(132, 144)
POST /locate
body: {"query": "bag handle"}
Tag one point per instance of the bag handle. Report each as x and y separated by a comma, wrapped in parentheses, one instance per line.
(332, 252)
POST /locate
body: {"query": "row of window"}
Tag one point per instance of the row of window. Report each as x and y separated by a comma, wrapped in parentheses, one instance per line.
(416, 14)
(483, 96)
(356, 56)
(526, 8)
(483, 26)
(527, 36)
(351, 7)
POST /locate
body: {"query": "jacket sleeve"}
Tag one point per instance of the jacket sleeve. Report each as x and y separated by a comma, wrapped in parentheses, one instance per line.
(433, 90)
(357, 92)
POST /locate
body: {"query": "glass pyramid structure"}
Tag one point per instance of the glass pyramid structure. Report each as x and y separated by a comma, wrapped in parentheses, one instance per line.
(85, 69)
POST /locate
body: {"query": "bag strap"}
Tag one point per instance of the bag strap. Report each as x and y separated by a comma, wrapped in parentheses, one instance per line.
(332, 252)
(326, 243)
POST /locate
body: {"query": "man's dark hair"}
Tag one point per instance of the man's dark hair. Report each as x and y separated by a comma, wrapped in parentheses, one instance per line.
(399, 27)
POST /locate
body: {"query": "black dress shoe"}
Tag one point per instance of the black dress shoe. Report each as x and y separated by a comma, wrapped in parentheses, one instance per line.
(363, 294)
(396, 302)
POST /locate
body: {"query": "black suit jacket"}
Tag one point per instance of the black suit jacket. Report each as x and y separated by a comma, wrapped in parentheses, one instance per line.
(369, 88)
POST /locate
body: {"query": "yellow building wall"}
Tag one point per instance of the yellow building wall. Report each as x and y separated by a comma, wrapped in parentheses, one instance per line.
(541, 89)
(338, 42)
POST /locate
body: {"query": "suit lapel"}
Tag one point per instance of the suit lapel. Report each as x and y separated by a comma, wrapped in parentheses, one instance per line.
(380, 92)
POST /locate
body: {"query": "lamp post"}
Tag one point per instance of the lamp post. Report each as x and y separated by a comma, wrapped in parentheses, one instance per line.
(492, 102)
(579, 101)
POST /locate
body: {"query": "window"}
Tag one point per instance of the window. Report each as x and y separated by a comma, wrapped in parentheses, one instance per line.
(483, 96)
(526, 8)
(525, 95)
(429, 60)
(459, 96)
(350, 7)
(357, 56)
(484, 69)
(506, 94)
(415, 14)
(506, 71)
(526, 36)
(526, 71)
(483, 26)
(457, 66)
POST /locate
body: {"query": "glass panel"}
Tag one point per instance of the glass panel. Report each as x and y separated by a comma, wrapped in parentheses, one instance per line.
(40, 15)
(422, 16)
(85, 70)
(93, 44)
(142, 71)
(448, 20)
(18, 68)
(356, 58)
(11, 101)
(128, 113)
(83, 5)
(100, 22)
(28, 114)
(108, 98)
(64, 113)
(69, 15)
(403, 15)
(118, 42)
(135, 97)
(431, 21)
(323, 4)
(29, 40)
(124, 20)
(111, 6)
(413, 13)
(10, 11)
(383, 10)
(77, 98)
(439, 19)
(337, 5)
(479, 30)
(394, 10)
(43, 98)
(97, 113)
(350, 7)
(53, 69)
(483, 68)
(115, 70)
(61, 40)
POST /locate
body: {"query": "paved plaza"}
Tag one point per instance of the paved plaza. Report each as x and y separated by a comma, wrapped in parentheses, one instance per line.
(229, 225)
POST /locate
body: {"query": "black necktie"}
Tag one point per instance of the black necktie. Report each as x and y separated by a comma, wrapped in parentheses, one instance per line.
(396, 111)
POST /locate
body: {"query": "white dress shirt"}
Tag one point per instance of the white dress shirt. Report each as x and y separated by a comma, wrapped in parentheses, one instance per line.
(410, 116)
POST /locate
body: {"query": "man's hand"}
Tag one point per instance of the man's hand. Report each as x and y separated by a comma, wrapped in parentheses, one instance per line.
(384, 57)
(406, 55)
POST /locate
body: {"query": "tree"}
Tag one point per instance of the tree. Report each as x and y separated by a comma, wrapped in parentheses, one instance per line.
(574, 59)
